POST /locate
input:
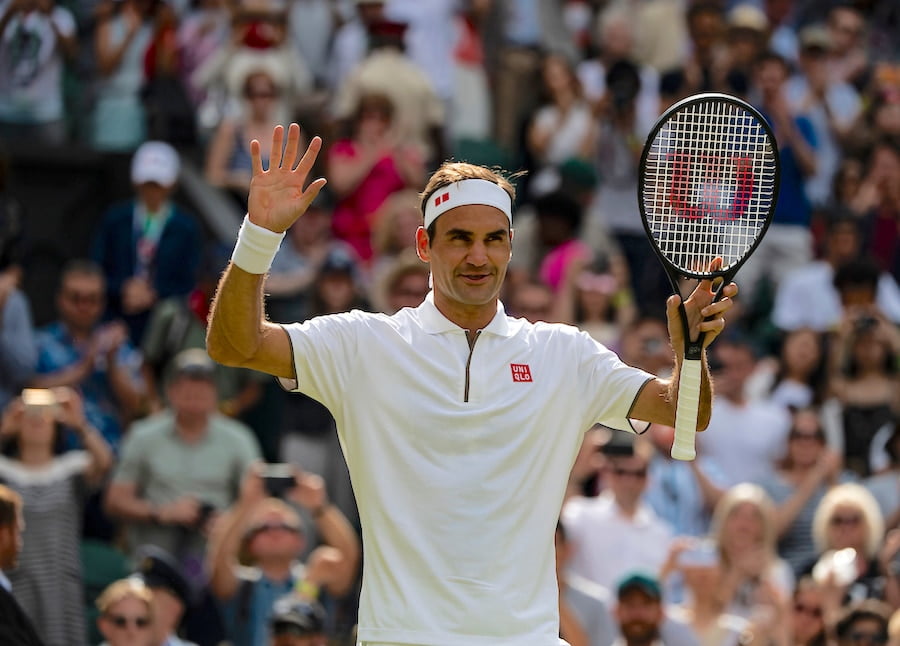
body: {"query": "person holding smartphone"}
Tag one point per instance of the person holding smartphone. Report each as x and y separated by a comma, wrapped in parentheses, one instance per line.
(269, 532)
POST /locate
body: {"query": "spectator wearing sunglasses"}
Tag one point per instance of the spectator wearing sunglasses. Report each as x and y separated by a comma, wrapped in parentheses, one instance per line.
(617, 532)
(863, 624)
(126, 613)
(254, 554)
(807, 614)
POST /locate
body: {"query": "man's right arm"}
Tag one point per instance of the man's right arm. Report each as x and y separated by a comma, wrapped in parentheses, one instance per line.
(238, 333)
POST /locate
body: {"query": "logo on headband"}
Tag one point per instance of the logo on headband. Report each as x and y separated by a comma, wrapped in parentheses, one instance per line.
(440, 199)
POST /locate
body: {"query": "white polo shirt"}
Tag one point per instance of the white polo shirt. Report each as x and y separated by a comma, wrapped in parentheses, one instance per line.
(458, 499)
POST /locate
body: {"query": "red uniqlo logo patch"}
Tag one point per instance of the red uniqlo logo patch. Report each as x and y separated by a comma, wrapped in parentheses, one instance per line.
(520, 371)
(440, 199)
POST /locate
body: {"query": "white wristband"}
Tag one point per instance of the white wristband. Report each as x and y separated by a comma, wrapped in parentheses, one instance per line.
(255, 248)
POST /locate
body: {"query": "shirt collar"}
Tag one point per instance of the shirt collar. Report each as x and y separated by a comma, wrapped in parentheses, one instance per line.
(433, 322)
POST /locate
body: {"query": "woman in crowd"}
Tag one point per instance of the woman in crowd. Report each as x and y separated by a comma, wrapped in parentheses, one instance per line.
(799, 380)
(366, 168)
(48, 579)
(745, 532)
(126, 613)
(802, 478)
(848, 517)
(561, 129)
(807, 625)
(262, 108)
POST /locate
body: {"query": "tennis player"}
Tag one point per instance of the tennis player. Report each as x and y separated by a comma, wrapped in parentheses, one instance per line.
(458, 423)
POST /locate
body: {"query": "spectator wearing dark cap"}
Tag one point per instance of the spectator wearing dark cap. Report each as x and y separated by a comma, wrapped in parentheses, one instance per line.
(254, 554)
(639, 610)
(180, 465)
(296, 622)
(864, 622)
(171, 593)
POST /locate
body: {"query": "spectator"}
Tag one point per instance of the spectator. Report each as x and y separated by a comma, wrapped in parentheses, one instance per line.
(295, 622)
(309, 243)
(645, 344)
(639, 610)
(863, 622)
(262, 107)
(171, 594)
(800, 378)
(807, 614)
(682, 493)
(746, 36)
(417, 117)
(394, 229)
(18, 352)
(863, 377)
(615, 39)
(616, 165)
(704, 609)
(404, 283)
(703, 70)
(96, 359)
(204, 28)
(52, 486)
(807, 471)
(879, 203)
(745, 533)
(584, 607)
(179, 467)
(122, 34)
(269, 533)
(850, 62)
(374, 162)
(883, 485)
(126, 614)
(616, 531)
(831, 104)
(532, 300)
(744, 437)
(148, 246)
(562, 128)
(848, 517)
(807, 295)
(37, 37)
(788, 242)
(15, 626)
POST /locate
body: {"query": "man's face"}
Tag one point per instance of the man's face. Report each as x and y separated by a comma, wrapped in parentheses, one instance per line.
(193, 397)
(153, 195)
(735, 365)
(80, 301)
(469, 255)
(627, 477)
(11, 543)
(639, 616)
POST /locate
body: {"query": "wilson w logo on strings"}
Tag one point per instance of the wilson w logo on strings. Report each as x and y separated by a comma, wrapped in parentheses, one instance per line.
(710, 186)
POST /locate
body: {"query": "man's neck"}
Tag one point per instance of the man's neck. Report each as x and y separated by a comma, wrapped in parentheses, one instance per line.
(191, 430)
(276, 570)
(468, 317)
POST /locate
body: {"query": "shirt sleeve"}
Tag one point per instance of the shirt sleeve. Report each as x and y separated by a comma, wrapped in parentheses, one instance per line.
(324, 350)
(18, 351)
(131, 464)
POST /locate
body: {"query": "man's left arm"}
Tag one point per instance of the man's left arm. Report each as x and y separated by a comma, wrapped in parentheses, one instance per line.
(657, 400)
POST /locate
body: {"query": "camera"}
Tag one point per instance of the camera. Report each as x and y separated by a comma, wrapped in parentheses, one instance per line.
(279, 479)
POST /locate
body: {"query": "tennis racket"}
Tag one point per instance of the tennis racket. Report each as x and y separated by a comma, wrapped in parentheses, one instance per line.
(707, 189)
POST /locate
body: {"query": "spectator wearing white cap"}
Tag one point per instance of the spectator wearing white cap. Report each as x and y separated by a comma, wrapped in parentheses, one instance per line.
(149, 247)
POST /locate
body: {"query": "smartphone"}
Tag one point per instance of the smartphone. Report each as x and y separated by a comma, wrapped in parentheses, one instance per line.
(39, 399)
(279, 478)
(703, 554)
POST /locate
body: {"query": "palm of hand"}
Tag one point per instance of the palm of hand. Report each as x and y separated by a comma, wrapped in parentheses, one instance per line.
(277, 197)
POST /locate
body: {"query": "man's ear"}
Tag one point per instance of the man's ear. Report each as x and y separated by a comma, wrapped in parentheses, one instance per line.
(422, 248)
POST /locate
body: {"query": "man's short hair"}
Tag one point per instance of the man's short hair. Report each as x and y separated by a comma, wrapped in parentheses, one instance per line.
(862, 272)
(81, 267)
(871, 609)
(451, 172)
(10, 506)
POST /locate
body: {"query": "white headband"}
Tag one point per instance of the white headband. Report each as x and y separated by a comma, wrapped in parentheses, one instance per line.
(467, 191)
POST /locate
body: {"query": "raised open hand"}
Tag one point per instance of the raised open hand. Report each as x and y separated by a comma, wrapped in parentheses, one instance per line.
(277, 196)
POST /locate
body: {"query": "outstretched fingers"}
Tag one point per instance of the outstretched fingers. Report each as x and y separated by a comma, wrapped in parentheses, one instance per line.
(293, 145)
(277, 154)
(255, 158)
(309, 157)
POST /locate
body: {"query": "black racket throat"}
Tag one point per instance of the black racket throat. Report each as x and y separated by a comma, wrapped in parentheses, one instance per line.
(693, 349)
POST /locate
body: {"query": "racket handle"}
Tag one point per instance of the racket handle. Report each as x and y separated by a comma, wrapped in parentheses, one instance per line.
(686, 410)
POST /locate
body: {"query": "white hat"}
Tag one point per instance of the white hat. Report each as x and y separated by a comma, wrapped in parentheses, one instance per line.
(155, 161)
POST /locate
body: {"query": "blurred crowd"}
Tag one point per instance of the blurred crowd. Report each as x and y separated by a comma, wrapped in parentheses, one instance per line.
(163, 499)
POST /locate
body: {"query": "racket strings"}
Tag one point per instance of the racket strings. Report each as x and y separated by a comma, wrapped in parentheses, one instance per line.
(709, 183)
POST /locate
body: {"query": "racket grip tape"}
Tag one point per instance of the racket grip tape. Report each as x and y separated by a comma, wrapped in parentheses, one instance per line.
(686, 410)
